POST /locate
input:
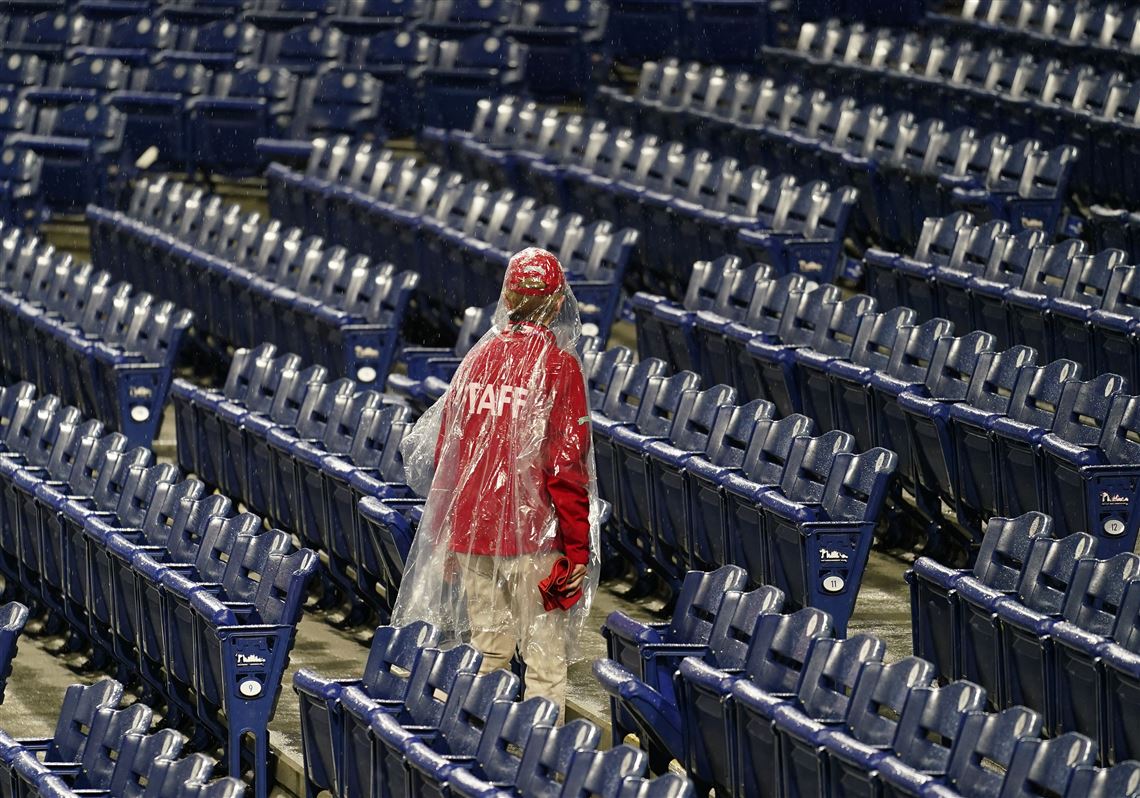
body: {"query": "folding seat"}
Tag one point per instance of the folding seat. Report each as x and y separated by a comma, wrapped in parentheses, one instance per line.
(660, 498)
(772, 363)
(619, 408)
(929, 434)
(277, 15)
(1094, 600)
(394, 57)
(606, 773)
(906, 373)
(820, 699)
(1072, 445)
(246, 104)
(915, 144)
(1028, 306)
(1025, 619)
(1114, 329)
(303, 50)
(897, 280)
(48, 35)
(1046, 766)
(1084, 292)
(777, 656)
(727, 31)
(134, 40)
(454, 19)
(464, 715)
(973, 251)
(731, 305)
(834, 341)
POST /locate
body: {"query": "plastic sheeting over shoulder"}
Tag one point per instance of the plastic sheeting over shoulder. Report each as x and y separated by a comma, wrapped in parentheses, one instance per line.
(505, 461)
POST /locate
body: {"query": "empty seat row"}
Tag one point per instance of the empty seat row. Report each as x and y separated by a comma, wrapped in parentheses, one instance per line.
(68, 328)
(421, 721)
(250, 281)
(904, 164)
(754, 702)
(988, 88)
(98, 748)
(301, 449)
(159, 577)
(986, 430)
(1107, 35)
(688, 206)
(697, 482)
(457, 233)
(1057, 297)
(1039, 621)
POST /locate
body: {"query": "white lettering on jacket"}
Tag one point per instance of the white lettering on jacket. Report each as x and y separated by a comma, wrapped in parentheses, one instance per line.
(494, 399)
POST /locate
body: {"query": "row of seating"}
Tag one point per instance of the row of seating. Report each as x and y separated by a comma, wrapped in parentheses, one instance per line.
(990, 89)
(904, 164)
(1023, 289)
(988, 431)
(103, 346)
(250, 280)
(165, 581)
(1105, 35)
(757, 703)
(697, 481)
(301, 449)
(458, 234)
(98, 748)
(421, 721)
(1039, 621)
(688, 206)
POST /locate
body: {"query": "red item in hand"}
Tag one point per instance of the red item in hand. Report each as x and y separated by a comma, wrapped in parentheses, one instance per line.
(553, 587)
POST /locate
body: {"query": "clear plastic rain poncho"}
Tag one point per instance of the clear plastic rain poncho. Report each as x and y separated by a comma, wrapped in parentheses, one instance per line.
(506, 463)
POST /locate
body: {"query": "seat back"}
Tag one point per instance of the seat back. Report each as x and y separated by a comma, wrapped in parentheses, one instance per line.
(601, 368)
(469, 704)
(810, 309)
(1044, 767)
(1005, 549)
(953, 365)
(81, 705)
(110, 734)
(836, 336)
(736, 619)
(1089, 275)
(880, 695)
(392, 656)
(771, 301)
(810, 463)
(877, 335)
(995, 377)
(931, 723)
(140, 757)
(434, 677)
(913, 352)
(663, 397)
(1083, 408)
(988, 739)
(780, 647)
(628, 388)
(602, 774)
(699, 601)
(766, 458)
(1037, 393)
(831, 672)
(732, 432)
(939, 235)
(1009, 269)
(1048, 268)
(1049, 570)
(509, 728)
(858, 484)
(1096, 592)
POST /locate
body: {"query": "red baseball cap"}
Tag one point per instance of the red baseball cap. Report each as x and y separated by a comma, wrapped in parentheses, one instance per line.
(534, 272)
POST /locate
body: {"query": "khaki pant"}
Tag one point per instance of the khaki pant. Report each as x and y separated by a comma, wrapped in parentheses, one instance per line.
(506, 613)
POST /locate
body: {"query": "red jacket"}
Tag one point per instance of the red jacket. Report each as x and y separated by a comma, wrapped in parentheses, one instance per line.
(491, 423)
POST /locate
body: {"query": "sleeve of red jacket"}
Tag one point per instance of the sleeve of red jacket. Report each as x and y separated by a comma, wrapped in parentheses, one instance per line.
(567, 453)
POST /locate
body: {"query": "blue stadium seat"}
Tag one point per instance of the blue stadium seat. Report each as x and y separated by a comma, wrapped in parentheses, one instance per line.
(833, 341)
(1040, 766)
(394, 57)
(366, 17)
(1028, 306)
(637, 30)
(727, 31)
(460, 72)
(48, 35)
(155, 109)
(559, 38)
(216, 45)
(134, 40)
(20, 198)
(303, 49)
(244, 105)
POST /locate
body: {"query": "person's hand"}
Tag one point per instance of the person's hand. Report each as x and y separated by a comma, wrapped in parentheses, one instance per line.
(577, 576)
